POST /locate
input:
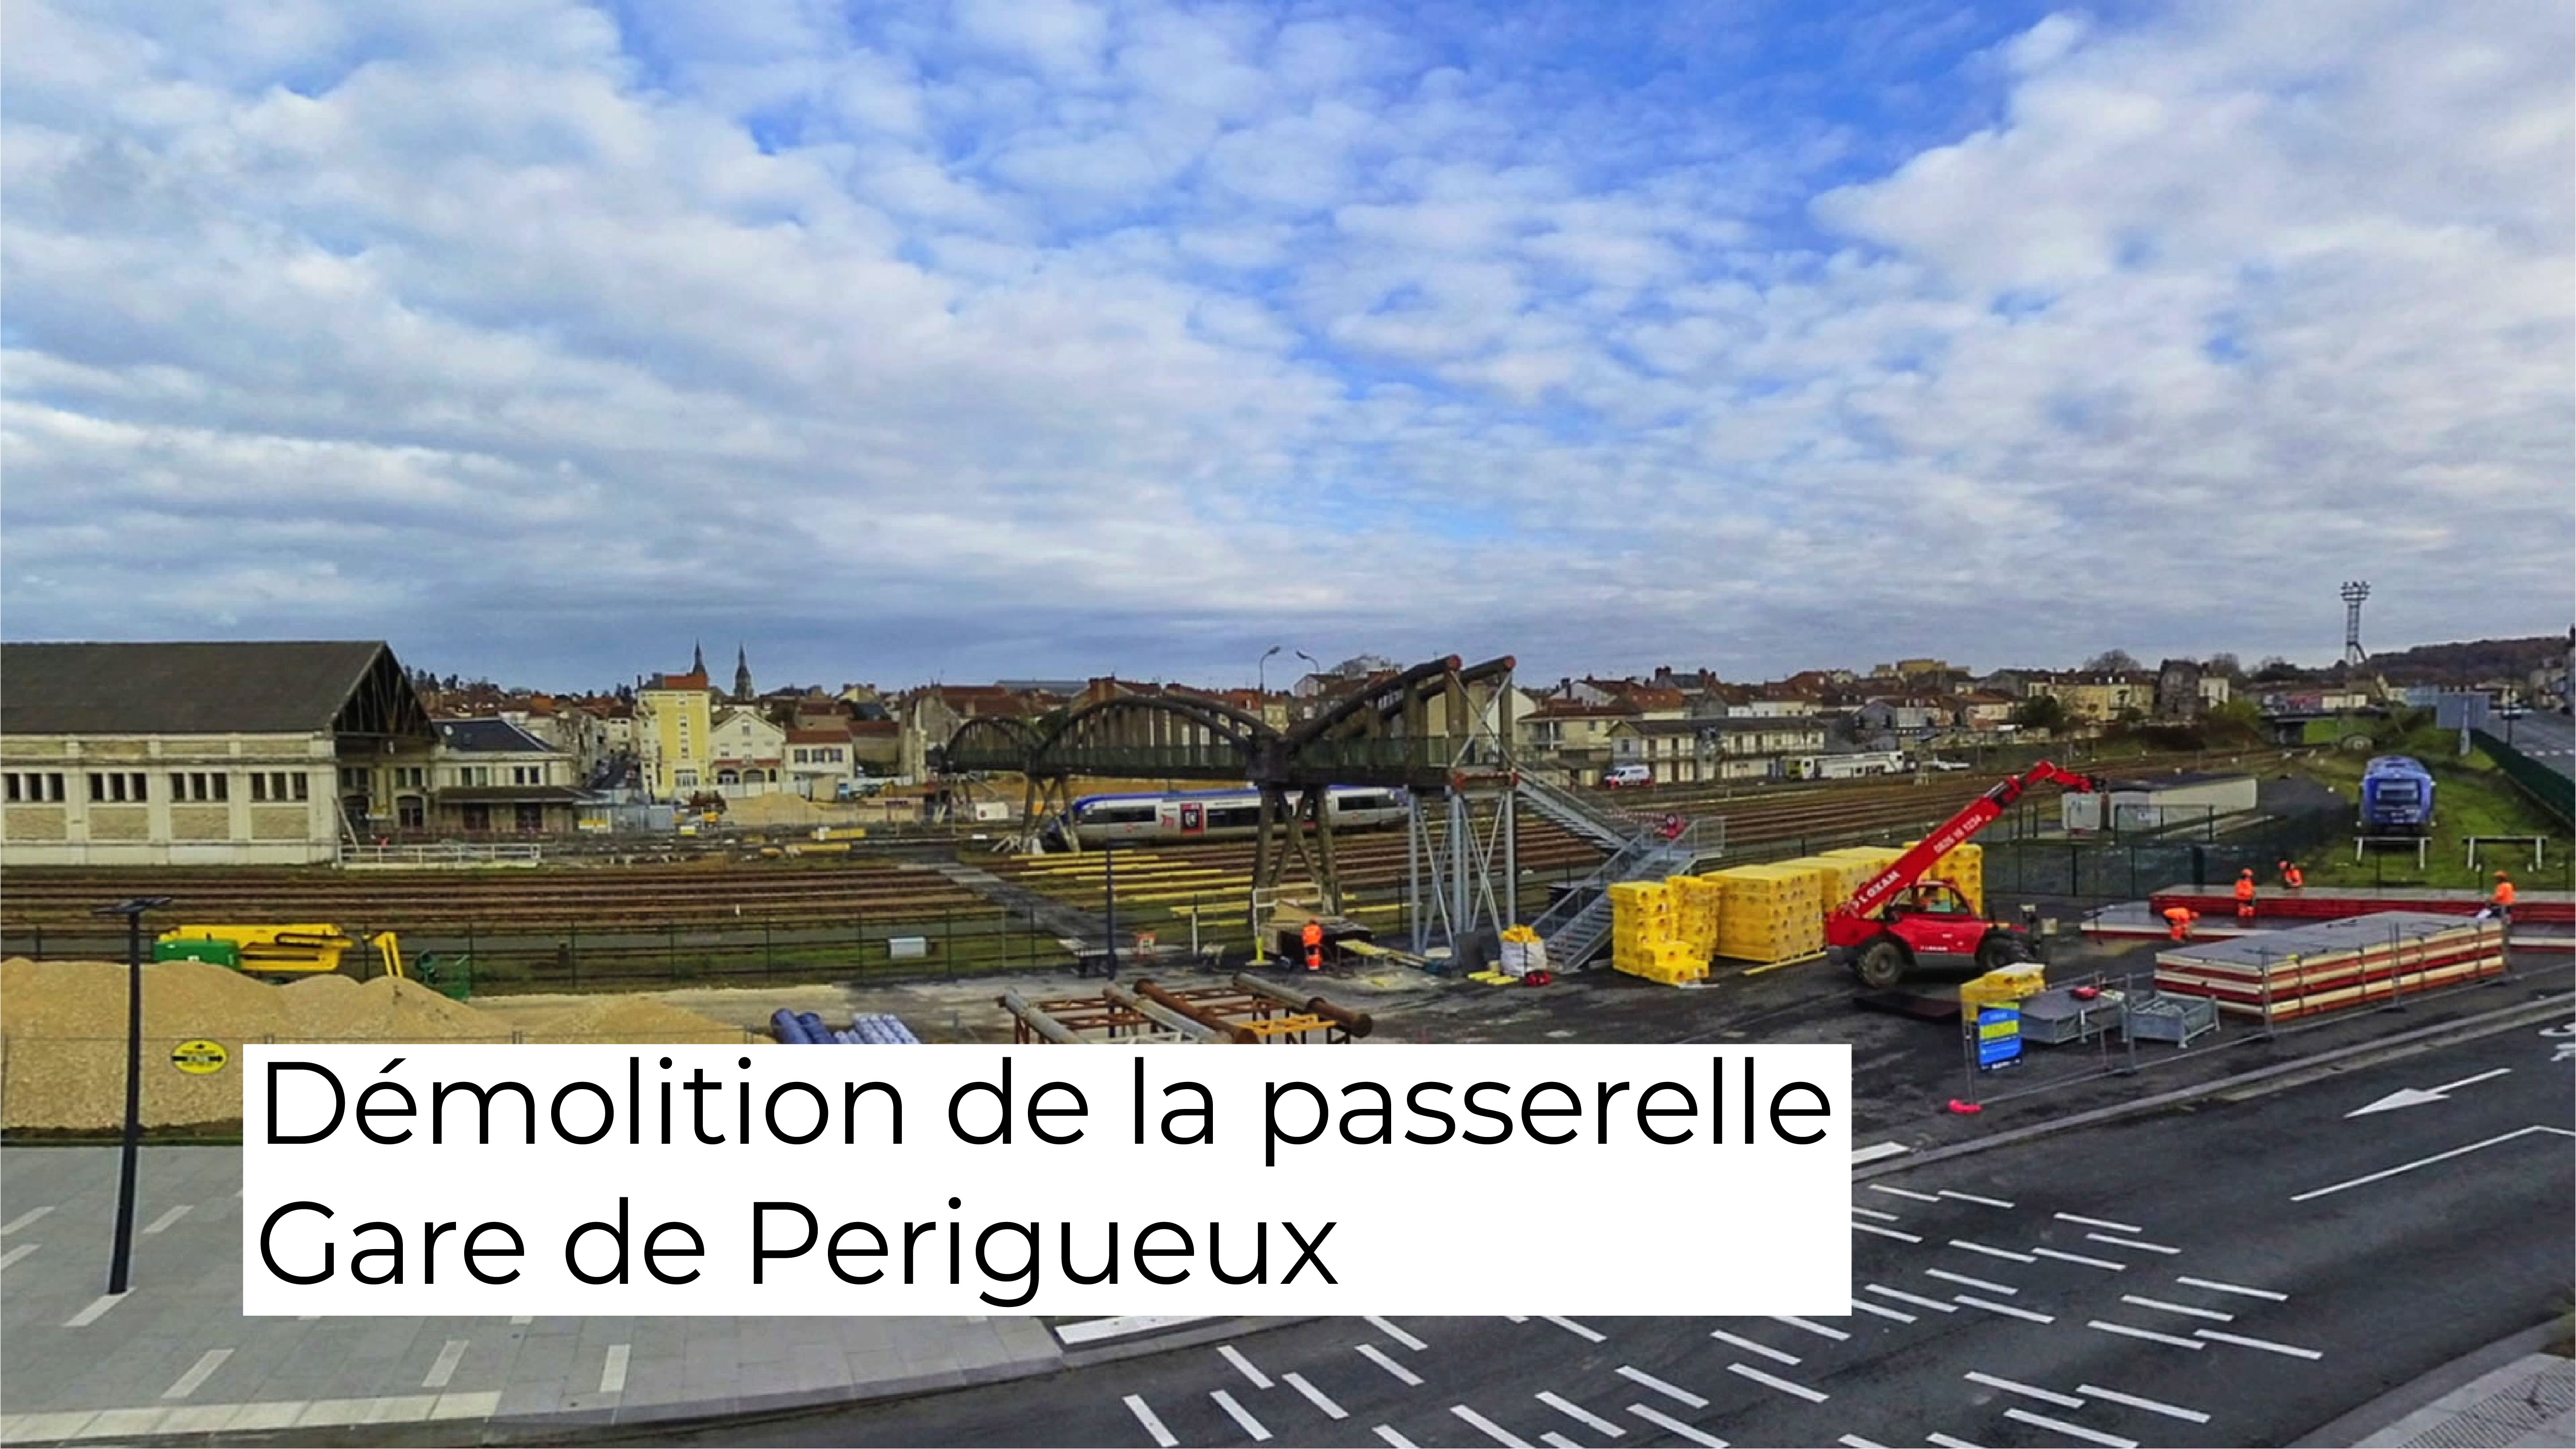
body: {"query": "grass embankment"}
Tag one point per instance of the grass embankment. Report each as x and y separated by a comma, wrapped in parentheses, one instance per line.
(2470, 797)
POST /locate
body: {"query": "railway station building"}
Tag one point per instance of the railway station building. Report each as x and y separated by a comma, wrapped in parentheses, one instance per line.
(205, 753)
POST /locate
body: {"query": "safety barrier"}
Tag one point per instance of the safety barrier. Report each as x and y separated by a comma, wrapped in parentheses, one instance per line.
(2550, 790)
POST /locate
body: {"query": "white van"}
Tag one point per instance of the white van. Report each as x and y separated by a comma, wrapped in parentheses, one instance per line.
(1619, 777)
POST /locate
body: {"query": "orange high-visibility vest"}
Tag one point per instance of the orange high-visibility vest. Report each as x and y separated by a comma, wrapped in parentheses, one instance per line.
(2244, 889)
(2504, 894)
(1314, 934)
(2294, 878)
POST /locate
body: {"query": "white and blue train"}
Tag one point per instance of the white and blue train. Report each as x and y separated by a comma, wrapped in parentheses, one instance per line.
(1176, 816)
(2396, 796)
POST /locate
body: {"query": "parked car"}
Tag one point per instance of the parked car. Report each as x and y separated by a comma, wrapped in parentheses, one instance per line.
(1619, 777)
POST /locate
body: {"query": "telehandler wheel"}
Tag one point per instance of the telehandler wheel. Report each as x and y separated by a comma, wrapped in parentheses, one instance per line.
(2001, 949)
(1881, 964)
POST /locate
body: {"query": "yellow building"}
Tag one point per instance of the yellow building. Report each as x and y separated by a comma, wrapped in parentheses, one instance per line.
(675, 733)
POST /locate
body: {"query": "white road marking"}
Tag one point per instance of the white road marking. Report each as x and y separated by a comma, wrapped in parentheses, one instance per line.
(1400, 1336)
(163, 1222)
(1818, 1329)
(22, 1220)
(1090, 1330)
(1857, 1442)
(1580, 1414)
(1904, 1192)
(1240, 1415)
(2429, 1161)
(2100, 1223)
(1993, 1202)
(612, 1370)
(524, 1318)
(2125, 1330)
(2133, 1243)
(1555, 1440)
(2217, 1287)
(1877, 1150)
(2265, 1344)
(1671, 1391)
(2011, 1386)
(1315, 1396)
(2212, 1314)
(1812, 1396)
(1393, 1439)
(2188, 1416)
(1153, 1424)
(1963, 1280)
(197, 1374)
(2060, 1426)
(1946, 1442)
(1875, 1213)
(1377, 1355)
(1863, 1305)
(1243, 1365)
(1887, 1232)
(1572, 1327)
(20, 1251)
(2415, 1097)
(1749, 1346)
(1514, 1318)
(97, 1307)
(2004, 1308)
(2080, 1258)
(445, 1368)
(1671, 1425)
(2005, 1253)
(1917, 1299)
(1489, 1428)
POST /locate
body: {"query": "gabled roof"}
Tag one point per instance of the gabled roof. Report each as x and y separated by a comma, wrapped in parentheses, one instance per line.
(302, 687)
(489, 737)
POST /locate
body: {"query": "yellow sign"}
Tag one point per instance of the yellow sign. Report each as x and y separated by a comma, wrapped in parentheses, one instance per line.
(199, 1057)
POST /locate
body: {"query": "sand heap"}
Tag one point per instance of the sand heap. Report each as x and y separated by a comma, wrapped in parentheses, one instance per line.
(62, 1033)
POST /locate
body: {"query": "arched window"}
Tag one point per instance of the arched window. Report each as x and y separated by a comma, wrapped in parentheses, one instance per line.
(727, 777)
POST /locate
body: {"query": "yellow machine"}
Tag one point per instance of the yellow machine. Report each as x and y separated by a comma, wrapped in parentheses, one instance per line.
(302, 950)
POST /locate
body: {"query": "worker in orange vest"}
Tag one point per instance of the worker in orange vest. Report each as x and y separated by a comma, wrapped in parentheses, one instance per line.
(2503, 898)
(1314, 938)
(2245, 894)
(2292, 876)
(2180, 919)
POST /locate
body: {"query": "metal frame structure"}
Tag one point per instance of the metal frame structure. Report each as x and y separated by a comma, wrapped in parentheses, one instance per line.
(1245, 1011)
(1439, 728)
(2354, 593)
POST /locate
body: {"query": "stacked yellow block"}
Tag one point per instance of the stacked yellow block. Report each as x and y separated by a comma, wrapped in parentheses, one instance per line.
(1837, 878)
(1696, 907)
(1770, 913)
(1647, 934)
(1964, 867)
(2005, 987)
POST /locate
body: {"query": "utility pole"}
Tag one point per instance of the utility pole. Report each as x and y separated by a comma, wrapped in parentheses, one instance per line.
(121, 1258)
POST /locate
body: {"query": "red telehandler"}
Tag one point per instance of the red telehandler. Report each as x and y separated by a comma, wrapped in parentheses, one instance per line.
(1897, 918)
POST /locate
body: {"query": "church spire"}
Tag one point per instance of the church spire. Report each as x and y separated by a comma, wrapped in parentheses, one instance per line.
(698, 659)
(741, 675)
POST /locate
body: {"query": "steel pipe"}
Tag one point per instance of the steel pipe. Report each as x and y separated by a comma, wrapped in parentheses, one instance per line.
(1357, 1023)
(1038, 1021)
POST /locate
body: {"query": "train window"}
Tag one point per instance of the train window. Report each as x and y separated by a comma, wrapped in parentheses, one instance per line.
(1119, 815)
(1364, 802)
(1234, 817)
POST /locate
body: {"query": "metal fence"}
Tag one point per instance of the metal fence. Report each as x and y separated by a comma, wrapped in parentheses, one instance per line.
(2550, 790)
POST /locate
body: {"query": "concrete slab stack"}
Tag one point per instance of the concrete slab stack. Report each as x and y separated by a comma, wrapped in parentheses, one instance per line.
(2334, 965)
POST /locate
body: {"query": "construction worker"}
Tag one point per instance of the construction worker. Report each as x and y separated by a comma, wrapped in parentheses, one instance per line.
(2245, 894)
(2292, 877)
(1314, 939)
(2502, 900)
(2179, 919)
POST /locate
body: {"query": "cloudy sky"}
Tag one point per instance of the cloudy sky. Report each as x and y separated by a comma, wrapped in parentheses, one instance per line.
(1049, 337)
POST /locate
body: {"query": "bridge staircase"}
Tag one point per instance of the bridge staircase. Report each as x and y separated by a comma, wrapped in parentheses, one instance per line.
(1603, 826)
(1577, 926)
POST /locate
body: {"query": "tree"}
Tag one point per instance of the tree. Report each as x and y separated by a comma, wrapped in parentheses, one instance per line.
(2112, 661)
(2224, 664)
(2238, 719)
(2274, 667)
(2041, 712)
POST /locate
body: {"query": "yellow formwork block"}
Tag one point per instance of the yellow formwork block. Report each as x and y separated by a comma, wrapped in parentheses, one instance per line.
(1998, 988)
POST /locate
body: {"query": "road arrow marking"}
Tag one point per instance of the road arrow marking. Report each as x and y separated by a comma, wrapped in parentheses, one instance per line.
(2415, 1097)
(2388, 1172)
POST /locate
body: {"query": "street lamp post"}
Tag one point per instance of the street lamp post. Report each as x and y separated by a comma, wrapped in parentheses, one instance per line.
(1109, 887)
(1261, 671)
(121, 1259)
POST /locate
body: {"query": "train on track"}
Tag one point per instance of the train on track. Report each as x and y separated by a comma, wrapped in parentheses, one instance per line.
(1179, 816)
(2396, 796)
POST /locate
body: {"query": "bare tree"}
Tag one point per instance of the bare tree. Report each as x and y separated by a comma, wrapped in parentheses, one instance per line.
(2112, 661)
(2224, 664)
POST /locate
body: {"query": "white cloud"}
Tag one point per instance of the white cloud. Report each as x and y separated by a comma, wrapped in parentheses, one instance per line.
(1052, 337)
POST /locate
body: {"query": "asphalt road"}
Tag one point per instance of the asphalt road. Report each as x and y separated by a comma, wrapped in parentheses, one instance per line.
(2236, 1273)
(2546, 736)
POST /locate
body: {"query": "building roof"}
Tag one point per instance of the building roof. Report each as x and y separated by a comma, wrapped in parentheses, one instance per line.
(489, 737)
(1732, 724)
(300, 687)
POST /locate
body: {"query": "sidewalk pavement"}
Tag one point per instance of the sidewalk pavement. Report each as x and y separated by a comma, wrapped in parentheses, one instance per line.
(2508, 1395)
(176, 1357)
